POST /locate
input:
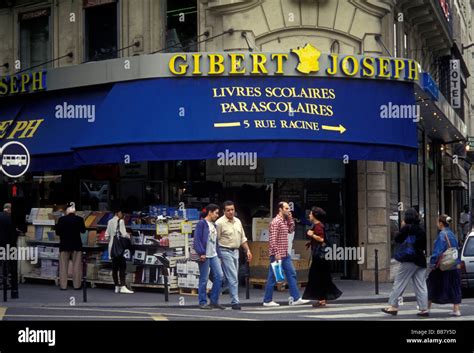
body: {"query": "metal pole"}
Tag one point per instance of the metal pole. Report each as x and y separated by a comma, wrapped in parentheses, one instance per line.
(84, 276)
(247, 281)
(5, 281)
(165, 278)
(376, 271)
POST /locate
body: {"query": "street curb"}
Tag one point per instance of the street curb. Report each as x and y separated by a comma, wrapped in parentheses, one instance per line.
(196, 306)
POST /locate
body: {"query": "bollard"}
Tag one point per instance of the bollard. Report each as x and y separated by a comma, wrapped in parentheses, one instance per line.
(247, 280)
(5, 281)
(165, 280)
(376, 271)
(84, 276)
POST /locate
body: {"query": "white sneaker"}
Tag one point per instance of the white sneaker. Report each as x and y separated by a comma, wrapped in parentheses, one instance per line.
(300, 302)
(125, 290)
(117, 289)
(271, 304)
(455, 313)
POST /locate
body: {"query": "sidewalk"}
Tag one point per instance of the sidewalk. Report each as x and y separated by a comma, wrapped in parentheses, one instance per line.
(41, 295)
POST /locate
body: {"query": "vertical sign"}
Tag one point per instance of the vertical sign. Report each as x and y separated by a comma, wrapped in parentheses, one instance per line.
(455, 79)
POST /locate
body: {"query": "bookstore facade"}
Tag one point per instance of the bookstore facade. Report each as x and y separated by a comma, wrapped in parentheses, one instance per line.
(189, 129)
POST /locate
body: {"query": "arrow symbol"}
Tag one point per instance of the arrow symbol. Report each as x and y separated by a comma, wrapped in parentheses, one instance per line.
(339, 128)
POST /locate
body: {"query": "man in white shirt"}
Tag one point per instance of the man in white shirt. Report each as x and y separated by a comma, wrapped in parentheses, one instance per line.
(231, 237)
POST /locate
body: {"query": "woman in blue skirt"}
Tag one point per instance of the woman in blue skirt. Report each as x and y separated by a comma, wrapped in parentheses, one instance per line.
(444, 287)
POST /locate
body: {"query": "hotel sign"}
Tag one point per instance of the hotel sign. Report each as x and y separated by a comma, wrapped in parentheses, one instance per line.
(455, 82)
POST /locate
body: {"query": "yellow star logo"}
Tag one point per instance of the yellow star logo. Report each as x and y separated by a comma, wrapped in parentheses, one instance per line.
(308, 59)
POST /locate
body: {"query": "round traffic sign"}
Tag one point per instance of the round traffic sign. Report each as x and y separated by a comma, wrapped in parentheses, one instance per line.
(14, 159)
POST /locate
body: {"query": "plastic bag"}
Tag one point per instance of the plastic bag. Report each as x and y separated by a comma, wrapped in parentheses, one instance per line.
(278, 271)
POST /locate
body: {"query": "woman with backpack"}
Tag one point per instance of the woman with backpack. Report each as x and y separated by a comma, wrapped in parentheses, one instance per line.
(444, 281)
(411, 254)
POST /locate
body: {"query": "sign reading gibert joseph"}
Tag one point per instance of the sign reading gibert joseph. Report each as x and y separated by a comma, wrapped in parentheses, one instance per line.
(310, 62)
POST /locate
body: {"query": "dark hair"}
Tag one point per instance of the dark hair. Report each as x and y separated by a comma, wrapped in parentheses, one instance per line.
(466, 208)
(318, 213)
(211, 208)
(280, 204)
(445, 219)
(228, 203)
(412, 216)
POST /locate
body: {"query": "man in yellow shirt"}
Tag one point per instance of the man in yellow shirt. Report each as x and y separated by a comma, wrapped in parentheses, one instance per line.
(230, 237)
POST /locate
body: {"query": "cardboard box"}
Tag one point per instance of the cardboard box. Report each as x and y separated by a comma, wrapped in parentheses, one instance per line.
(182, 268)
(176, 240)
(182, 282)
(193, 268)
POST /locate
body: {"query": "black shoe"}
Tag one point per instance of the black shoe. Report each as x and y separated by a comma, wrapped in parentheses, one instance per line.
(217, 306)
(205, 307)
(391, 312)
(423, 314)
(236, 307)
(62, 288)
(14, 295)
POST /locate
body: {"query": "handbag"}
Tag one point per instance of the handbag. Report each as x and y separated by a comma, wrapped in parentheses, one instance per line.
(319, 251)
(406, 252)
(120, 243)
(449, 258)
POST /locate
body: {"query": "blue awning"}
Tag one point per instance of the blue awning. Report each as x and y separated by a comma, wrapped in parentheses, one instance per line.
(198, 117)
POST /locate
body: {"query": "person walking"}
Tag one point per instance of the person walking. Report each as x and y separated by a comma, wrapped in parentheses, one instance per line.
(69, 229)
(320, 286)
(444, 287)
(205, 245)
(230, 237)
(465, 223)
(8, 237)
(412, 267)
(280, 227)
(115, 229)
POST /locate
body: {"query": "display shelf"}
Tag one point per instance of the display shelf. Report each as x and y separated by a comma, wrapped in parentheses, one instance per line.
(39, 277)
(41, 242)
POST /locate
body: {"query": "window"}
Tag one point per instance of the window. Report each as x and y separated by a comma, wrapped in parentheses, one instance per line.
(395, 38)
(405, 45)
(182, 26)
(35, 45)
(101, 30)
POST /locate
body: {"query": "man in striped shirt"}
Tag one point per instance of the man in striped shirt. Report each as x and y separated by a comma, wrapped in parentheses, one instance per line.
(281, 226)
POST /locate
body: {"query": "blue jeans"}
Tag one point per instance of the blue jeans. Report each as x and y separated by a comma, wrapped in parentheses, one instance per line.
(230, 265)
(290, 276)
(214, 264)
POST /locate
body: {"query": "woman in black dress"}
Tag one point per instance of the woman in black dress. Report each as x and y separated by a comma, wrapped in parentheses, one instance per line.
(320, 286)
